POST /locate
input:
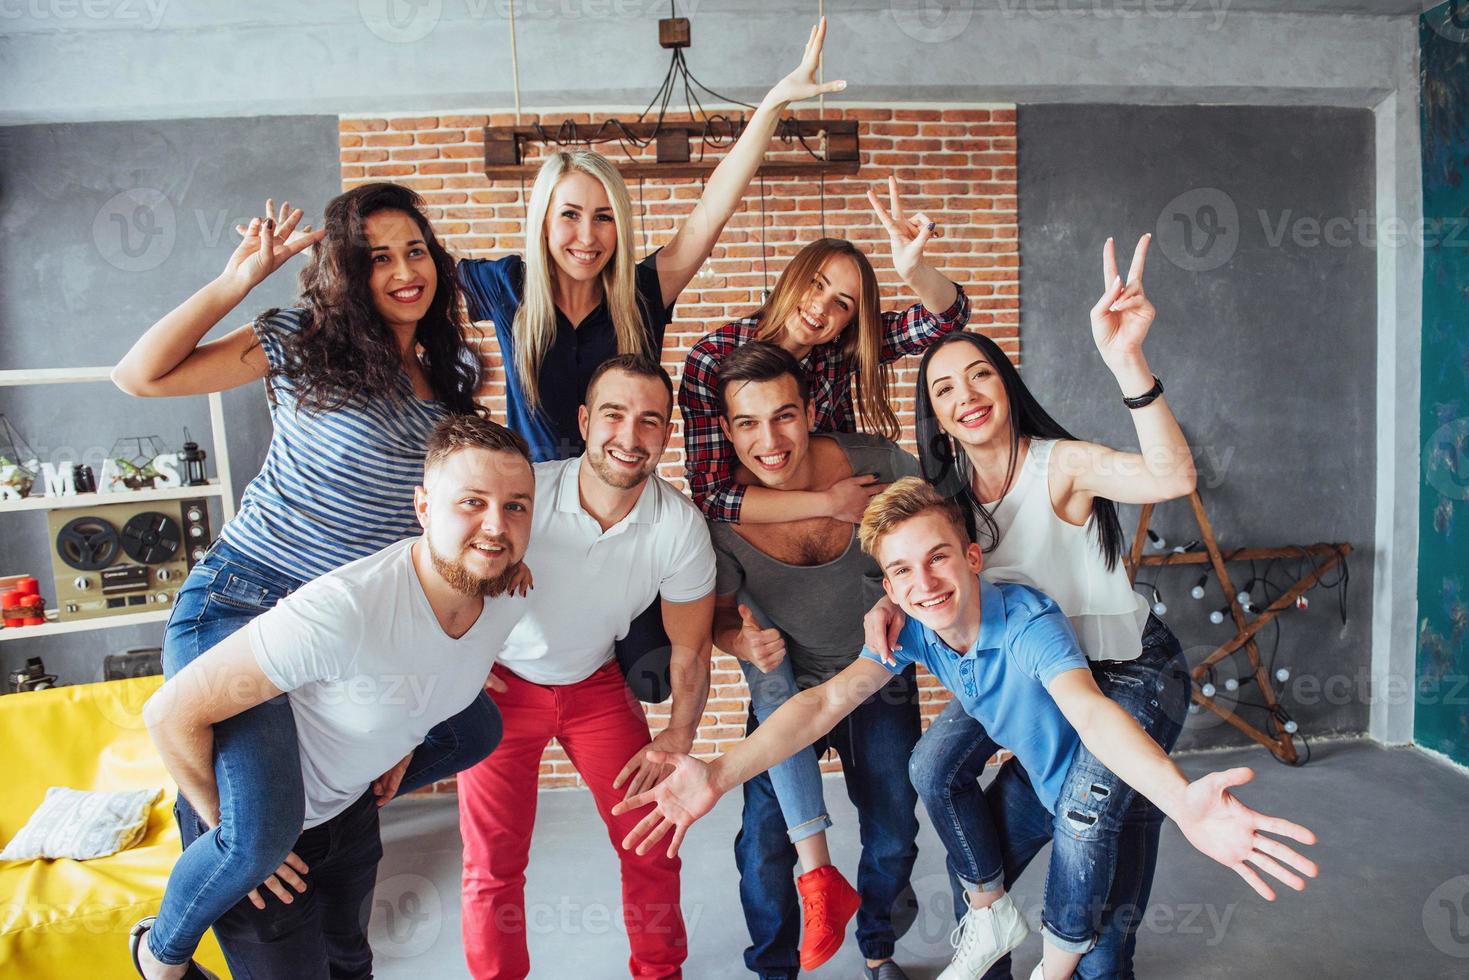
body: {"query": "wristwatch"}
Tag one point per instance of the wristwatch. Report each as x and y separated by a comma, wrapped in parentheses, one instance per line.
(1146, 398)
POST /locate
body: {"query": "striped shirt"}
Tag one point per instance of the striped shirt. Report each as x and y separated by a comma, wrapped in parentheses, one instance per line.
(336, 486)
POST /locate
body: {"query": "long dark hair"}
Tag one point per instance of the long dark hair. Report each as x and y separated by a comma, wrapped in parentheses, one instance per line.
(344, 351)
(951, 473)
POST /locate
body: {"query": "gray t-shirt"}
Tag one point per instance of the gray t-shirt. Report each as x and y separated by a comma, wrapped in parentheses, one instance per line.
(818, 608)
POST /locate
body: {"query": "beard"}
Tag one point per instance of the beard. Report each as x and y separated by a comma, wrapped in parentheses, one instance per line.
(465, 582)
(615, 476)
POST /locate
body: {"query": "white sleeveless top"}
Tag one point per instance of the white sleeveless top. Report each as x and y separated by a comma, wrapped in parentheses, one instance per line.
(1039, 549)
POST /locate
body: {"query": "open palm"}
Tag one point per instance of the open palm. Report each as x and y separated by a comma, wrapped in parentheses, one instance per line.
(686, 795)
(1220, 826)
(1121, 318)
(802, 84)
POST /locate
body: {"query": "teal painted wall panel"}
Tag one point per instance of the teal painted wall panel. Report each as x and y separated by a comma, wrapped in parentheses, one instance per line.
(1441, 716)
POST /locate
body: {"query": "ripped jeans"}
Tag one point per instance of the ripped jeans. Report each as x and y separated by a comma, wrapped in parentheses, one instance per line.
(1097, 815)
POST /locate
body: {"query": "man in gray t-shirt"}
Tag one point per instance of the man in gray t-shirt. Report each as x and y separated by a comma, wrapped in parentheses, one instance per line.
(809, 578)
(811, 583)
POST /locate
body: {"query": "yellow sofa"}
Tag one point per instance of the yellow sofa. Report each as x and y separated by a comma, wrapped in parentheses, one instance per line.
(67, 919)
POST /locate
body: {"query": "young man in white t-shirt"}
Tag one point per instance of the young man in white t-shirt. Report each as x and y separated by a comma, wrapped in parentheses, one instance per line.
(371, 656)
(609, 537)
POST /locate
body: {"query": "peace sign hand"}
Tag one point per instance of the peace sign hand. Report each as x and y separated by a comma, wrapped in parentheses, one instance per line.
(802, 84)
(906, 235)
(1121, 318)
(267, 244)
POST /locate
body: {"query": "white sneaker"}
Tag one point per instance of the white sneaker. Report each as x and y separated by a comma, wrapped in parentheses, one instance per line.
(982, 937)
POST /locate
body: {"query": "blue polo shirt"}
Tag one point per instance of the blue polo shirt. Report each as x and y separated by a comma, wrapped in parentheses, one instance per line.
(494, 288)
(1024, 642)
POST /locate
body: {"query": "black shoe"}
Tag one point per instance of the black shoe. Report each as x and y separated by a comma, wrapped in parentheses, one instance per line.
(135, 938)
(886, 971)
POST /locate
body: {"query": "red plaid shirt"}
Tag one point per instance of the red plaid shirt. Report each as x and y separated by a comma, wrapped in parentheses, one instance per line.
(709, 459)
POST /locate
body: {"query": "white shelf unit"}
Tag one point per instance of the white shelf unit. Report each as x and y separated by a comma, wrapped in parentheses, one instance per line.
(83, 500)
(222, 488)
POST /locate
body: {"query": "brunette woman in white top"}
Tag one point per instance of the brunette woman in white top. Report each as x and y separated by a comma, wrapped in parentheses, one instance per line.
(1044, 508)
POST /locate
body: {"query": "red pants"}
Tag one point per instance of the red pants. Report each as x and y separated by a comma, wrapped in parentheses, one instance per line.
(601, 726)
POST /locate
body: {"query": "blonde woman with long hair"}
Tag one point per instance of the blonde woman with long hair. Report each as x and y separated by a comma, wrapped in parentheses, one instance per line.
(579, 295)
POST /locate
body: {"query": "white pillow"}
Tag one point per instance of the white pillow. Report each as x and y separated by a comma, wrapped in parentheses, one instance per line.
(73, 823)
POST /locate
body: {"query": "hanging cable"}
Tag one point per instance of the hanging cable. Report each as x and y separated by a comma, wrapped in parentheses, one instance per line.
(764, 265)
(514, 63)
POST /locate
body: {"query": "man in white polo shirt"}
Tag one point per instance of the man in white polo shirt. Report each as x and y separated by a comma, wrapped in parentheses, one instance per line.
(371, 656)
(609, 536)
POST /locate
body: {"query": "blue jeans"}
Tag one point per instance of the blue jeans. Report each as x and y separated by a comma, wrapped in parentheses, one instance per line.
(322, 934)
(257, 762)
(1105, 836)
(873, 742)
(796, 781)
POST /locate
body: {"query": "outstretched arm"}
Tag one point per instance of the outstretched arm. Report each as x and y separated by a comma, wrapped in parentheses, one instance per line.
(1163, 466)
(695, 239)
(695, 786)
(1214, 822)
(169, 360)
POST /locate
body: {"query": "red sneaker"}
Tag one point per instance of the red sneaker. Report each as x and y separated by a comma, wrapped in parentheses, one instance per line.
(829, 903)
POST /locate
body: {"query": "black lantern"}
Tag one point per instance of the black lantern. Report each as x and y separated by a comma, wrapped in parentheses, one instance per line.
(193, 459)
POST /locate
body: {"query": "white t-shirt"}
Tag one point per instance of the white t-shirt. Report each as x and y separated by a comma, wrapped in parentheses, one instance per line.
(591, 584)
(369, 670)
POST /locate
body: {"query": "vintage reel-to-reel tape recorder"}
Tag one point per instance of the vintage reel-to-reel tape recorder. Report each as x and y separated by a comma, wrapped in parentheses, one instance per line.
(125, 558)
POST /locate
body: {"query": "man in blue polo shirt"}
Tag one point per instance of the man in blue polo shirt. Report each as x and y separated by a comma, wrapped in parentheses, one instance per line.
(1010, 657)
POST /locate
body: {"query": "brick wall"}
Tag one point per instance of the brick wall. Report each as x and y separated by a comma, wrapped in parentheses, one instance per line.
(958, 165)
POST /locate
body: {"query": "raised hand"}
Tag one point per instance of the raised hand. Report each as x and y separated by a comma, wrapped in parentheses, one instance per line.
(907, 235)
(685, 796)
(267, 244)
(1121, 318)
(881, 627)
(802, 84)
(765, 648)
(1219, 825)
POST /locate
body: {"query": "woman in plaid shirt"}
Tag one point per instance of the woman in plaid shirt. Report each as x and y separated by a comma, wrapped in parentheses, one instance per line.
(825, 311)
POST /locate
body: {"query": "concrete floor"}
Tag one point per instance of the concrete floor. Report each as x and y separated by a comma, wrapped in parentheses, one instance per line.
(1392, 900)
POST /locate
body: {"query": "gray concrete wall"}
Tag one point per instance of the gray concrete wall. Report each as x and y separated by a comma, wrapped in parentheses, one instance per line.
(78, 286)
(176, 58)
(82, 60)
(1262, 273)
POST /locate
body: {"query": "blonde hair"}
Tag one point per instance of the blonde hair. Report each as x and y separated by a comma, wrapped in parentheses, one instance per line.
(861, 341)
(534, 329)
(904, 500)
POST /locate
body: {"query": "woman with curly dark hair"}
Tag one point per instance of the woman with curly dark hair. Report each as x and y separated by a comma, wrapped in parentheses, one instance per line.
(357, 373)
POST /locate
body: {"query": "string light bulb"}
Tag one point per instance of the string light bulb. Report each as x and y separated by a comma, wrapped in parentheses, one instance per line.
(1198, 590)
